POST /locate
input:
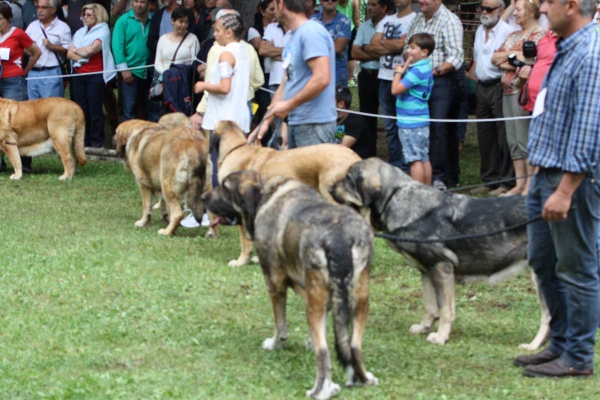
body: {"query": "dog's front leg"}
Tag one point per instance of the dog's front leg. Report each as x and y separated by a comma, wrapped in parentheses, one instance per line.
(443, 281)
(246, 245)
(544, 332)
(278, 300)
(432, 312)
(12, 152)
(146, 207)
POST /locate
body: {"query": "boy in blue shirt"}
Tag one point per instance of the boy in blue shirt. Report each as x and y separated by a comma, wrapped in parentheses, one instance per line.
(412, 84)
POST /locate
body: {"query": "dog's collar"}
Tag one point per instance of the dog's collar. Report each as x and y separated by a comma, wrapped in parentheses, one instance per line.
(235, 148)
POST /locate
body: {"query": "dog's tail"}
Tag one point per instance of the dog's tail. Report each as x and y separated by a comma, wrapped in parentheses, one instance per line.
(78, 140)
(341, 274)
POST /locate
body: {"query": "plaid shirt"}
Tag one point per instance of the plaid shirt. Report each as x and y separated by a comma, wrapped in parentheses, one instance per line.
(567, 134)
(447, 31)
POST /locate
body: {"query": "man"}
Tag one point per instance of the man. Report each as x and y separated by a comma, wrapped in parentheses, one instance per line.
(368, 83)
(307, 93)
(444, 103)
(352, 129)
(338, 26)
(28, 12)
(564, 146)
(130, 50)
(495, 162)
(53, 37)
(388, 43)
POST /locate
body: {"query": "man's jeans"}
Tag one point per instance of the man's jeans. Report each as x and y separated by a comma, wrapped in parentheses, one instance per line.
(44, 88)
(387, 102)
(310, 134)
(564, 255)
(443, 141)
(134, 93)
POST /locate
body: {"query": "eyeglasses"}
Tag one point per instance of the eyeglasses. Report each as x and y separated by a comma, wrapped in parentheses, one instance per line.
(43, 7)
(89, 15)
(488, 9)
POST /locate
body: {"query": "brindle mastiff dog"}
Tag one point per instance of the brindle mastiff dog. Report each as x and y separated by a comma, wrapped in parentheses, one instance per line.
(318, 166)
(321, 251)
(36, 127)
(172, 162)
(398, 205)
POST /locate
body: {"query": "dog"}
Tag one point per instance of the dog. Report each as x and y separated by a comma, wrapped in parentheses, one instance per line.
(172, 162)
(318, 166)
(394, 203)
(37, 127)
(323, 252)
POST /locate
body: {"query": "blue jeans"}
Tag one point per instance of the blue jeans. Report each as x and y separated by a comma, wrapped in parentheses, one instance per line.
(564, 255)
(44, 88)
(136, 93)
(387, 102)
(13, 88)
(310, 134)
(88, 91)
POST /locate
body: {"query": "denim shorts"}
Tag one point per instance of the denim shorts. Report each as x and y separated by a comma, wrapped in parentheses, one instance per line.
(415, 144)
(310, 134)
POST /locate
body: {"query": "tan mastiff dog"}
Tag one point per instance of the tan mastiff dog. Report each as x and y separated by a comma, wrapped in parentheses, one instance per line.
(36, 127)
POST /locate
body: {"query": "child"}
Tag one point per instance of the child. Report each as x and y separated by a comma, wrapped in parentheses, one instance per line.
(412, 84)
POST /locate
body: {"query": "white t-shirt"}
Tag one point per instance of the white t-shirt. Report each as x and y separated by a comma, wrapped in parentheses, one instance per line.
(274, 33)
(483, 52)
(392, 27)
(252, 34)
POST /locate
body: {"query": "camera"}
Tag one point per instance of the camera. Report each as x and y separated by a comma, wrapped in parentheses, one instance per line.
(529, 53)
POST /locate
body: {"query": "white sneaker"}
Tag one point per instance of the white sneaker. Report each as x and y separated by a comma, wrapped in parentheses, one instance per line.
(205, 220)
(439, 185)
(189, 222)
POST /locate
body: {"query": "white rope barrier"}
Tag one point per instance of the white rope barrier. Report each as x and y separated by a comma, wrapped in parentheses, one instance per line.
(271, 91)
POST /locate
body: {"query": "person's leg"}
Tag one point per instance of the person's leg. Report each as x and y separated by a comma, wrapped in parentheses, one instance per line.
(78, 95)
(487, 135)
(110, 104)
(387, 101)
(515, 132)
(34, 85)
(417, 172)
(129, 95)
(427, 172)
(16, 89)
(439, 108)
(452, 145)
(52, 87)
(94, 85)
(368, 95)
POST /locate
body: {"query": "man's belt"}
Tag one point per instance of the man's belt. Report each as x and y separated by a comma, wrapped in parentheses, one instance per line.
(491, 82)
(44, 68)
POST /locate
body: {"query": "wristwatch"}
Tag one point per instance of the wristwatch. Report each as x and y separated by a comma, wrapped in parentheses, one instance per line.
(438, 70)
(363, 46)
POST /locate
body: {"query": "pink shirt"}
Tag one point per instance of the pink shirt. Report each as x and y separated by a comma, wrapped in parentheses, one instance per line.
(545, 55)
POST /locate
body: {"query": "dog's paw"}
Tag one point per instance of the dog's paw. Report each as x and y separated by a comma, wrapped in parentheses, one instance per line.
(436, 338)
(417, 329)
(212, 233)
(240, 262)
(255, 260)
(351, 379)
(164, 232)
(272, 344)
(141, 223)
(328, 390)
(371, 379)
(15, 177)
(64, 177)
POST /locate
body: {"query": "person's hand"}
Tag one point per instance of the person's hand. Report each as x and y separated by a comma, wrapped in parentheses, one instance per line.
(199, 87)
(279, 109)
(256, 136)
(46, 42)
(201, 69)
(127, 77)
(557, 207)
(196, 121)
(524, 72)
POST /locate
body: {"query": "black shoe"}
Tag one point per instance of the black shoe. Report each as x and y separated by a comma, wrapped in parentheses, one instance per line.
(557, 368)
(542, 357)
(3, 166)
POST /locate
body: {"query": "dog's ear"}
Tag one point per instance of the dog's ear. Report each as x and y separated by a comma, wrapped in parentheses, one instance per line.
(368, 185)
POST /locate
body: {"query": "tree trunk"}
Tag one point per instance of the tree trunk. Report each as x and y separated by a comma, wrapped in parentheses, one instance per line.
(247, 9)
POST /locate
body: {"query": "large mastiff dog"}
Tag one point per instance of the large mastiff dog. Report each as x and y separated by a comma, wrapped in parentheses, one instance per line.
(398, 205)
(321, 251)
(318, 166)
(36, 127)
(171, 162)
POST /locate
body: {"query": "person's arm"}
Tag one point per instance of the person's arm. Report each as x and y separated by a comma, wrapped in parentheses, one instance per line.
(88, 51)
(268, 49)
(471, 71)
(454, 53)
(356, 13)
(359, 49)
(118, 49)
(34, 54)
(398, 84)
(508, 11)
(375, 47)
(394, 45)
(500, 59)
(268, 118)
(558, 204)
(256, 43)
(224, 85)
(118, 8)
(158, 60)
(340, 45)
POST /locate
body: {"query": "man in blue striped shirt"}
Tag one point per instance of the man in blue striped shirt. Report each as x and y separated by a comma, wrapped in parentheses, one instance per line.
(564, 145)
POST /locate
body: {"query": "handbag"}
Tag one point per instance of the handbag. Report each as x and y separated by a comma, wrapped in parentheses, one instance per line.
(65, 66)
(157, 88)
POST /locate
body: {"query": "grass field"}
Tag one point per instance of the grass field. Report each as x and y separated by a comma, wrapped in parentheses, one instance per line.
(93, 308)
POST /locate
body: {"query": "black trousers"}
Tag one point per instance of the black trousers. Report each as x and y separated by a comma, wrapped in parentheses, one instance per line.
(368, 95)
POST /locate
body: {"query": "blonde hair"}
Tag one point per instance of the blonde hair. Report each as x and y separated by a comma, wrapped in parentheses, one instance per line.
(99, 11)
(532, 6)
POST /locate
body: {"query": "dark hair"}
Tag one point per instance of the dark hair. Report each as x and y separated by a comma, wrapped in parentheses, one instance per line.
(6, 11)
(388, 4)
(344, 94)
(258, 18)
(235, 23)
(424, 41)
(295, 6)
(180, 12)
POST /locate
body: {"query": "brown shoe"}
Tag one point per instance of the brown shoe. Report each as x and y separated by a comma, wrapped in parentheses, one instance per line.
(542, 357)
(555, 369)
(480, 190)
(498, 192)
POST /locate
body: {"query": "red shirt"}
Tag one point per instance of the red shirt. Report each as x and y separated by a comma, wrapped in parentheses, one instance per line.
(546, 49)
(94, 65)
(16, 42)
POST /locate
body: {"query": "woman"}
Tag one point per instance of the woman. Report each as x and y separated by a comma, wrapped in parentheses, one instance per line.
(350, 8)
(265, 15)
(14, 42)
(526, 14)
(90, 52)
(194, 6)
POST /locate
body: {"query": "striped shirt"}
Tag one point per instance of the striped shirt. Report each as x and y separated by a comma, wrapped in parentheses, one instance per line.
(447, 31)
(566, 135)
(413, 103)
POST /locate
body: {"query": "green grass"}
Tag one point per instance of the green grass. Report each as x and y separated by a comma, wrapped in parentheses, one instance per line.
(93, 308)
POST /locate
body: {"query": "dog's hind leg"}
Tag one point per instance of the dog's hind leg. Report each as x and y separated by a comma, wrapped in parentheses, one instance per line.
(146, 207)
(278, 295)
(442, 276)
(432, 312)
(63, 148)
(544, 332)
(317, 297)
(175, 213)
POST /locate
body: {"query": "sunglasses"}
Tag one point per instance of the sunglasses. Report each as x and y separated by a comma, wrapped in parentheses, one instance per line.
(487, 9)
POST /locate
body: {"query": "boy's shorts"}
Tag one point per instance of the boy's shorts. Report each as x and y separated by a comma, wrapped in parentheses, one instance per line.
(415, 144)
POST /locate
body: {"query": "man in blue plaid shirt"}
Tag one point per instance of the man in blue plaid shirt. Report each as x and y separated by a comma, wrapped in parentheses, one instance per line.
(564, 145)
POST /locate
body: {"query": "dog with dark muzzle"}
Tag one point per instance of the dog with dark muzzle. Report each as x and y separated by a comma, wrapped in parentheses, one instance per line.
(394, 203)
(323, 252)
